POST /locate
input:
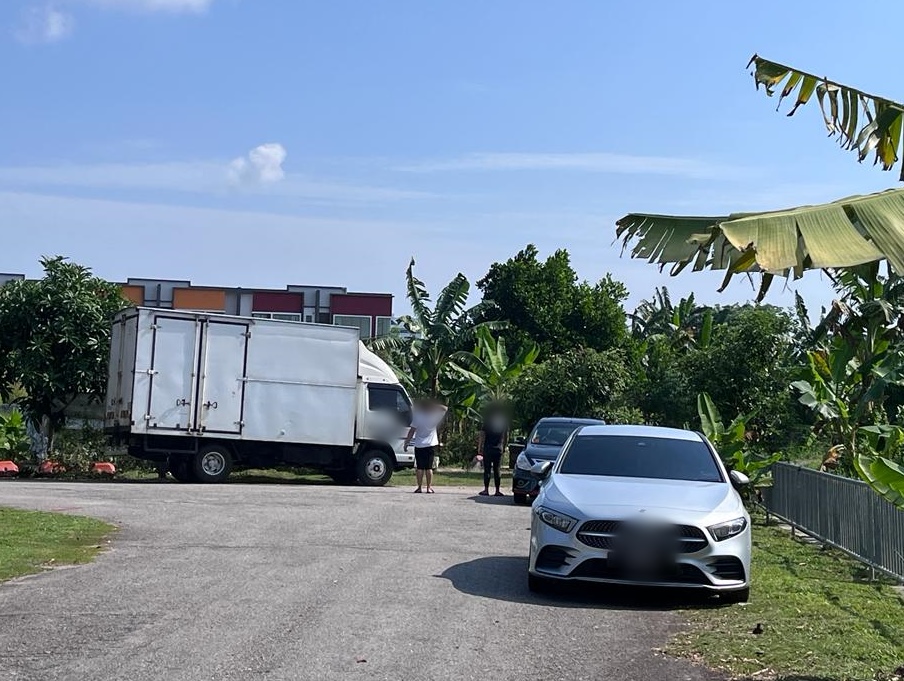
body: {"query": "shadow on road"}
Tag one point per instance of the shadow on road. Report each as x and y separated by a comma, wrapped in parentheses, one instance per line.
(492, 501)
(504, 578)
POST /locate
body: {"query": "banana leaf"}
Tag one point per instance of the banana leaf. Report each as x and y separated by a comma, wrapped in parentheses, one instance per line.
(863, 123)
(884, 475)
(844, 233)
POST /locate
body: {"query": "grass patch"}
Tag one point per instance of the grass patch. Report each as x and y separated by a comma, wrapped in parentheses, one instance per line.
(822, 621)
(31, 541)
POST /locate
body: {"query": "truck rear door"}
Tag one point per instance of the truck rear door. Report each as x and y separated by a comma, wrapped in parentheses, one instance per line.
(223, 380)
(173, 372)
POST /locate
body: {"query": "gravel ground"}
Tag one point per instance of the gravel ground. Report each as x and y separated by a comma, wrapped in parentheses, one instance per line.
(314, 582)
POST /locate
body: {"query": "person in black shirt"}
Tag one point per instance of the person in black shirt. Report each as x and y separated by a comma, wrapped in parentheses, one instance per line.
(491, 441)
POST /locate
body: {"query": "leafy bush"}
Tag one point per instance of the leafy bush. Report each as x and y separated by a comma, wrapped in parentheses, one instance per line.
(14, 442)
(459, 445)
(77, 448)
(731, 443)
(580, 383)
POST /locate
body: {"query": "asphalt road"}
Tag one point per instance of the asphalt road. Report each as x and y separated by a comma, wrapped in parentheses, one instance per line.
(314, 582)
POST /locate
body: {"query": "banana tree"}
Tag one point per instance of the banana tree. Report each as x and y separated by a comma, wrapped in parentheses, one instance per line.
(835, 237)
(684, 326)
(422, 354)
(489, 370)
(883, 474)
(731, 442)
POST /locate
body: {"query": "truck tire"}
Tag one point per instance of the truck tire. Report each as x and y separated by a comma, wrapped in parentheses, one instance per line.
(374, 468)
(212, 464)
(180, 470)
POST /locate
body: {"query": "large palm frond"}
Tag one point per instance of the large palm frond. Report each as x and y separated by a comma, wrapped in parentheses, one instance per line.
(840, 234)
(861, 122)
(451, 301)
(418, 297)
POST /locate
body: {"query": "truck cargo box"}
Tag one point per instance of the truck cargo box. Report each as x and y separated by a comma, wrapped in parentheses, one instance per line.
(189, 373)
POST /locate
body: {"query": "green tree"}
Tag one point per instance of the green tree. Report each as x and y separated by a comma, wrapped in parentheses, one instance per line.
(579, 383)
(431, 336)
(748, 367)
(55, 338)
(746, 364)
(544, 302)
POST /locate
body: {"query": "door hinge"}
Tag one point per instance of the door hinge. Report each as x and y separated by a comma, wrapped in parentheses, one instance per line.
(149, 372)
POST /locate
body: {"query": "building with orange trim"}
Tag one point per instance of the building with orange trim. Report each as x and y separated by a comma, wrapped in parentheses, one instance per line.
(371, 313)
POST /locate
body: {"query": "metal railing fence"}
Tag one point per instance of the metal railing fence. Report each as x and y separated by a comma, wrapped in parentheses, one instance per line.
(844, 513)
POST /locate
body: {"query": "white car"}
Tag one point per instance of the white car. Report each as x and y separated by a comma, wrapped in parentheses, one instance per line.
(640, 505)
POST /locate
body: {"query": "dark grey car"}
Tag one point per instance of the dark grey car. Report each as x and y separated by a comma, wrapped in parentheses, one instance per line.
(544, 444)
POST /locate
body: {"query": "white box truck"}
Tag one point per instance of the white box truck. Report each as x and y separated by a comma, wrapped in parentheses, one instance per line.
(207, 393)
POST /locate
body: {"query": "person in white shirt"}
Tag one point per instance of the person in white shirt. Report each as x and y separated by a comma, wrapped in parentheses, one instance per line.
(425, 419)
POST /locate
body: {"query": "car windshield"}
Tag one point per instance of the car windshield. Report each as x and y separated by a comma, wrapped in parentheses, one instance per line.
(552, 434)
(641, 457)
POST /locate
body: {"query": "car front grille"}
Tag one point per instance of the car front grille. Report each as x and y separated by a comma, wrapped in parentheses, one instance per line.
(679, 573)
(601, 534)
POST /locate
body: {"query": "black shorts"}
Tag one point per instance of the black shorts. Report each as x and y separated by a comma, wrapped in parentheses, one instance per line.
(423, 458)
(492, 456)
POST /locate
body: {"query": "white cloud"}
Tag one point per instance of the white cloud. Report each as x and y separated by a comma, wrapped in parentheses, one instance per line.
(585, 162)
(195, 177)
(44, 25)
(195, 6)
(262, 166)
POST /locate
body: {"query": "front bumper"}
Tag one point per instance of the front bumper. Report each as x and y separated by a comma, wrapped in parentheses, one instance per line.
(719, 566)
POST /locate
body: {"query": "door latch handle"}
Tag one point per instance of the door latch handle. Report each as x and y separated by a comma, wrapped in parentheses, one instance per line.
(182, 403)
(210, 405)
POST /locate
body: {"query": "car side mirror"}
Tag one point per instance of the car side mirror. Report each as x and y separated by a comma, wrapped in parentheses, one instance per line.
(541, 469)
(738, 479)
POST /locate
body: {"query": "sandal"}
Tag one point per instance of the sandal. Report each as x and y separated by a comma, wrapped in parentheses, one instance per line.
(417, 491)
(499, 494)
(484, 494)
(431, 491)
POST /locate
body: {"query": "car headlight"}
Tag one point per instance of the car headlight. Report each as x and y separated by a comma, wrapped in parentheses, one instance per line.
(724, 531)
(556, 520)
(523, 462)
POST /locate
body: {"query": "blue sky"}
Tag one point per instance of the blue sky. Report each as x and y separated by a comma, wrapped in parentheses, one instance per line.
(266, 142)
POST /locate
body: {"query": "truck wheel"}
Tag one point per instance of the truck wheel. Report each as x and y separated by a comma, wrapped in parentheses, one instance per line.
(374, 468)
(180, 470)
(212, 464)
